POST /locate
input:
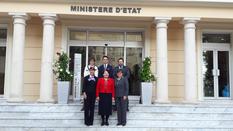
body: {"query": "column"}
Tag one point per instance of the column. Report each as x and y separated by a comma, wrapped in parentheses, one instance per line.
(162, 66)
(190, 74)
(16, 86)
(46, 81)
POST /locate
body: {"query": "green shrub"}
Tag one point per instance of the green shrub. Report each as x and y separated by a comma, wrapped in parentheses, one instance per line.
(145, 72)
(61, 68)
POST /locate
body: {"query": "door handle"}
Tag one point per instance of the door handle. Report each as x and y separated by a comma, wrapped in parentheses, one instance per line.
(213, 72)
(218, 72)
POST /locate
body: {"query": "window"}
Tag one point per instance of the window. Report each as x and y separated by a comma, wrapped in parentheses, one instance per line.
(106, 36)
(78, 35)
(216, 38)
(134, 36)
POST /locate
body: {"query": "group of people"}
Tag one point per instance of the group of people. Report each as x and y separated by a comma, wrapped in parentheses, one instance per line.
(106, 85)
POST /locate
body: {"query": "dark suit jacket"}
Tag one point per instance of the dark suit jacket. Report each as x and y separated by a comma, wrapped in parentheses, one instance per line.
(89, 86)
(121, 87)
(101, 71)
(125, 70)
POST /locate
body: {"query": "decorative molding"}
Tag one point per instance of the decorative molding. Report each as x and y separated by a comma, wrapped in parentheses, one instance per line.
(189, 3)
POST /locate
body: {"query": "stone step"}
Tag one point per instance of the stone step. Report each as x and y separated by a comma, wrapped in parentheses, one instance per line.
(143, 123)
(53, 117)
(130, 115)
(131, 103)
(114, 129)
(133, 108)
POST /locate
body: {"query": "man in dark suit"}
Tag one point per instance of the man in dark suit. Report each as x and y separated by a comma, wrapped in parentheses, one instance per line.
(122, 67)
(105, 66)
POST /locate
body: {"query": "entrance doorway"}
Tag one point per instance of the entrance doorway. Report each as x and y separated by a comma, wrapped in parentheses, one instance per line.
(127, 45)
(3, 36)
(216, 66)
(112, 52)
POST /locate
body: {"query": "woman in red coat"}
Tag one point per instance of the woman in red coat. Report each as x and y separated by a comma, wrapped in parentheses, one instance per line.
(105, 95)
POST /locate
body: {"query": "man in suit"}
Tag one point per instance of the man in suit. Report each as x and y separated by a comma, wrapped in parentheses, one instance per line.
(122, 67)
(105, 66)
(125, 71)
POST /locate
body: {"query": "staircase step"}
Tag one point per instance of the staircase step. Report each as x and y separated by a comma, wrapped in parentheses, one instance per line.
(90, 128)
(143, 123)
(130, 115)
(68, 117)
(133, 108)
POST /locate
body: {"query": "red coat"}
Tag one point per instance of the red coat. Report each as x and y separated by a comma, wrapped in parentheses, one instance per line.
(108, 88)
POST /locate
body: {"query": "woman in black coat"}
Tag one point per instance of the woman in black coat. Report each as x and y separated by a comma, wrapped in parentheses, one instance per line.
(89, 90)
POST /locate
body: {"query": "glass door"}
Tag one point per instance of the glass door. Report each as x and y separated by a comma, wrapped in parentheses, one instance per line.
(134, 63)
(3, 38)
(208, 77)
(115, 44)
(2, 68)
(114, 53)
(98, 52)
(216, 74)
(223, 74)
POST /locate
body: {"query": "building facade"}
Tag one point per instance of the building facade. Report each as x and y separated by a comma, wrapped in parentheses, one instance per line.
(190, 44)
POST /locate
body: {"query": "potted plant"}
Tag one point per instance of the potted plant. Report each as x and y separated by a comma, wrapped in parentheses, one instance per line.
(146, 77)
(64, 76)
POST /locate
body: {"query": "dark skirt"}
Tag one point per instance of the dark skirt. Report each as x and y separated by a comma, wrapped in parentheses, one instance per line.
(105, 104)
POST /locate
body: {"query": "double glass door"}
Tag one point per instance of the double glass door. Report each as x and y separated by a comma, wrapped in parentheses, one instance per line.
(98, 52)
(132, 56)
(216, 74)
(133, 62)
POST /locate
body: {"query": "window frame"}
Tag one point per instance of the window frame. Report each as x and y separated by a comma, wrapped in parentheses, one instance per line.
(208, 46)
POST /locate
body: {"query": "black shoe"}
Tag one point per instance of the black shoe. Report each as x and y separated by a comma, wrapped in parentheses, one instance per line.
(118, 124)
(82, 109)
(123, 124)
(102, 123)
(106, 123)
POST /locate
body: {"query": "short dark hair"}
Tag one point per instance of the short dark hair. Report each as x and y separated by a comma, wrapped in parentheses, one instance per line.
(92, 59)
(120, 70)
(106, 71)
(104, 57)
(121, 59)
(91, 68)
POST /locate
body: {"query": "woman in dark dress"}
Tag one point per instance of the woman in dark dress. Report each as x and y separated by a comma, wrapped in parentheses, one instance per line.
(89, 90)
(105, 95)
